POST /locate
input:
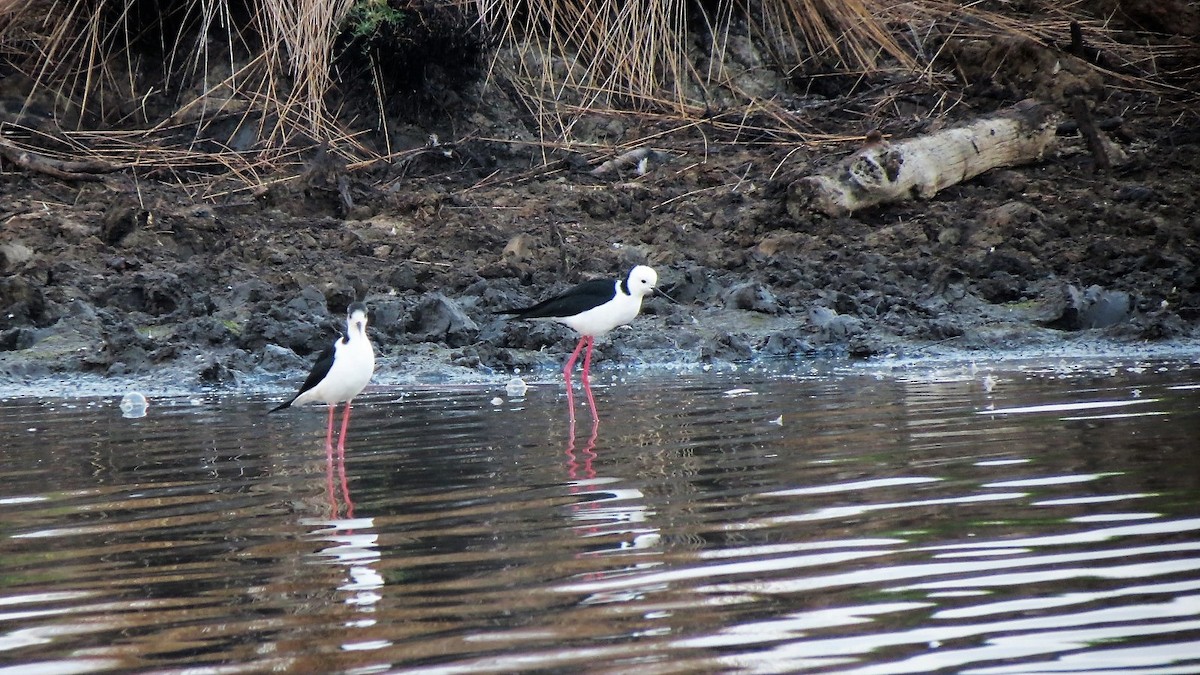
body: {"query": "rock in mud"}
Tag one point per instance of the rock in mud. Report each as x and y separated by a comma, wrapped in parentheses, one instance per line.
(405, 277)
(18, 338)
(120, 221)
(695, 285)
(439, 319)
(726, 347)
(276, 359)
(833, 327)
(125, 350)
(1137, 194)
(215, 372)
(752, 296)
(388, 318)
(785, 343)
(13, 255)
(1159, 324)
(310, 300)
(1068, 308)
(156, 294)
(529, 335)
(1000, 287)
(204, 330)
(23, 303)
(298, 334)
(246, 292)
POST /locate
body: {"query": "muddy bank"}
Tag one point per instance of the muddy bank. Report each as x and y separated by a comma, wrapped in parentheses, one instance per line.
(125, 277)
(1029, 258)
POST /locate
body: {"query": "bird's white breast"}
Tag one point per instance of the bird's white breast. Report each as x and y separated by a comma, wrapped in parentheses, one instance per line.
(599, 320)
(353, 365)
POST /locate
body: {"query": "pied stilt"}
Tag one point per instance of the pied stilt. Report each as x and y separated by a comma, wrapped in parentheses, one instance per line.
(592, 309)
(342, 371)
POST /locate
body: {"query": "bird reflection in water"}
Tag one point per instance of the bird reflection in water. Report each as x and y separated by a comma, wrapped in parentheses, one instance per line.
(576, 470)
(336, 463)
(582, 474)
(351, 544)
(614, 518)
(591, 399)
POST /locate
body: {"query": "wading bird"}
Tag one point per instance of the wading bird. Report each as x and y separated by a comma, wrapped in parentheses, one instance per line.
(342, 371)
(592, 309)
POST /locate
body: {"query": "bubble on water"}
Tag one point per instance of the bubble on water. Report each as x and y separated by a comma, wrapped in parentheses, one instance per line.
(133, 405)
(989, 383)
(497, 401)
(516, 387)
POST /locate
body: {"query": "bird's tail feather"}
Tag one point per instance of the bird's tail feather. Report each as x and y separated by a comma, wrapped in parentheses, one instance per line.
(281, 406)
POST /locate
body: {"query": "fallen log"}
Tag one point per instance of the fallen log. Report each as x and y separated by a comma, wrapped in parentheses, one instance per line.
(883, 172)
(58, 168)
(639, 157)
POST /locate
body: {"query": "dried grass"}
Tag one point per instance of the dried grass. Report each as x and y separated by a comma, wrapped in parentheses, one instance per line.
(675, 67)
(87, 61)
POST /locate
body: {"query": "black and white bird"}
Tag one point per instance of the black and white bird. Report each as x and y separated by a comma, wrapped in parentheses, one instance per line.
(592, 309)
(341, 372)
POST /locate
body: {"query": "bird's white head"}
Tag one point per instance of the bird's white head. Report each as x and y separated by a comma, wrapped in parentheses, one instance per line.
(356, 318)
(641, 281)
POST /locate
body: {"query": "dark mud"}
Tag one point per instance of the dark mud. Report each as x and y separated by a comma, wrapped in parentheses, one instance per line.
(129, 278)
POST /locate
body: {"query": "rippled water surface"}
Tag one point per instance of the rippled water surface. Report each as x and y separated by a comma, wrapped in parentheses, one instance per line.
(1043, 518)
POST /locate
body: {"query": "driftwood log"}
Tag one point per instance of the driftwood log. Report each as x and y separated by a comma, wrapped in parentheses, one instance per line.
(883, 172)
(58, 168)
(641, 158)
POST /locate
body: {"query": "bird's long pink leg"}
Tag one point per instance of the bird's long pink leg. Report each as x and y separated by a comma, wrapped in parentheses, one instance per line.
(341, 460)
(587, 382)
(587, 358)
(567, 377)
(571, 361)
(329, 465)
(345, 425)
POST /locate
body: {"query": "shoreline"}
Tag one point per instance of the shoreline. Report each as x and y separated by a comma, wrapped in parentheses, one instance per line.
(427, 373)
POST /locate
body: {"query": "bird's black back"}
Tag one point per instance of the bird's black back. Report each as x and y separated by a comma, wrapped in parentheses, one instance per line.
(581, 298)
(319, 370)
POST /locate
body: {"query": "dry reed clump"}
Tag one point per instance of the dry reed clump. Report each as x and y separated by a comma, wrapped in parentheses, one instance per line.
(744, 64)
(187, 89)
(233, 82)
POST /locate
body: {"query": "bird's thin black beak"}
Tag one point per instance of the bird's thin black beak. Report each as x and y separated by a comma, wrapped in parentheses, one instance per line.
(663, 293)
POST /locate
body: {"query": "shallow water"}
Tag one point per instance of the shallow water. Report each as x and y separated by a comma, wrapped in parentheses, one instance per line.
(1044, 518)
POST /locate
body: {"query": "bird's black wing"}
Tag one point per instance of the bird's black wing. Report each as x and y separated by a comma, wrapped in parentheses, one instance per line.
(319, 370)
(585, 296)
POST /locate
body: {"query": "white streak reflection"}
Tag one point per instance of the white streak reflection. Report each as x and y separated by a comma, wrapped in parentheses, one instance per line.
(1065, 407)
